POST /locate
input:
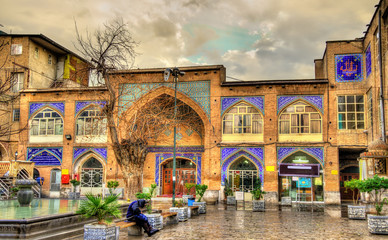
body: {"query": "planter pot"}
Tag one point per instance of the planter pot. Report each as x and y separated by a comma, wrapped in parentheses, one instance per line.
(378, 224)
(74, 195)
(182, 213)
(25, 194)
(103, 232)
(155, 220)
(211, 197)
(356, 212)
(202, 207)
(231, 200)
(258, 205)
(286, 201)
(185, 198)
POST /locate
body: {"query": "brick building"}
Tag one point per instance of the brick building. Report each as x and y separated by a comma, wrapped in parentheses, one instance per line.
(302, 137)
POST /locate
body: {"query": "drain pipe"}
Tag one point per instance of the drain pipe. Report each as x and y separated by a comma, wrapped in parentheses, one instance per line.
(382, 115)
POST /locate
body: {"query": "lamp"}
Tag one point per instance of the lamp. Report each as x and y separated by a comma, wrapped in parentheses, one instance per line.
(68, 136)
(300, 159)
(16, 155)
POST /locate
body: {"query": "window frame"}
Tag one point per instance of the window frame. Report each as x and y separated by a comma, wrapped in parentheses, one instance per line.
(247, 122)
(16, 115)
(97, 116)
(43, 124)
(19, 84)
(346, 112)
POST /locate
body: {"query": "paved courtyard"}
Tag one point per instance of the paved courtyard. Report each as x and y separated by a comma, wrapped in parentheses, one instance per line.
(224, 222)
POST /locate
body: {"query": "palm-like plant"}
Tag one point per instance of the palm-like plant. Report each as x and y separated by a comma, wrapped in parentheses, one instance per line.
(102, 209)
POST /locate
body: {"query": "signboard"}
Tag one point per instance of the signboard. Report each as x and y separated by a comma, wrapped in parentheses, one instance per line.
(270, 168)
(303, 183)
(300, 170)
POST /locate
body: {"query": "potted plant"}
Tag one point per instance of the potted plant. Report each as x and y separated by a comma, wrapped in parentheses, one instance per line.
(188, 187)
(74, 194)
(155, 219)
(376, 186)
(112, 185)
(102, 209)
(200, 190)
(356, 211)
(228, 192)
(183, 212)
(258, 203)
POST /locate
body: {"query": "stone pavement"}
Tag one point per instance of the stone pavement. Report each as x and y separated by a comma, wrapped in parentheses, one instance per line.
(225, 222)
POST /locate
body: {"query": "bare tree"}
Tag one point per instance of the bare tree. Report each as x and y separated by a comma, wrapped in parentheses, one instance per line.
(112, 49)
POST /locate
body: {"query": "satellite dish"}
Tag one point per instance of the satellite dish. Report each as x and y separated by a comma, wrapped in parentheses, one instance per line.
(167, 74)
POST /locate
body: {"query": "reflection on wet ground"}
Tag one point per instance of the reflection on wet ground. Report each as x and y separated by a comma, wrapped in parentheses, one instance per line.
(278, 222)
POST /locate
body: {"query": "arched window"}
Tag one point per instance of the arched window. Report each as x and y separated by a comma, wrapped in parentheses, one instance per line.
(300, 118)
(45, 123)
(91, 122)
(242, 119)
(242, 175)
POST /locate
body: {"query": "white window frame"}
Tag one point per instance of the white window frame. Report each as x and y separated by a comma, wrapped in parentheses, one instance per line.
(17, 81)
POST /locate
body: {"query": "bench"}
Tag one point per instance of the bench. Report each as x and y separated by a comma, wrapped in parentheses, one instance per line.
(194, 210)
(133, 229)
(170, 218)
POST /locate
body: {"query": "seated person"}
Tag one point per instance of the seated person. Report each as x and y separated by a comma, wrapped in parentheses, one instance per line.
(134, 215)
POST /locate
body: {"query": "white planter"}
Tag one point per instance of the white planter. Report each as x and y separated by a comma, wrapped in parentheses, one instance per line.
(286, 201)
(211, 197)
(155, 220)
(356, 212)
(377, 224)
(230, 200)
(182, 213)
(101, 232)
(186, 197)
(258, 205)
(202, 207)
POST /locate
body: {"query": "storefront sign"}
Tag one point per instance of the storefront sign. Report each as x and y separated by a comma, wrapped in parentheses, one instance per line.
(301, 170)
(334, 172)
(65, 171)
(304, 183)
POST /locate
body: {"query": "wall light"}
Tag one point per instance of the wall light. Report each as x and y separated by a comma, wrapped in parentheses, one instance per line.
(68, 136)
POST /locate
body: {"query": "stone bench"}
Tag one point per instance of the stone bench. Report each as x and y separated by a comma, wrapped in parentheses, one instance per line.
(133, 229)
(194, 210)
(170, 218)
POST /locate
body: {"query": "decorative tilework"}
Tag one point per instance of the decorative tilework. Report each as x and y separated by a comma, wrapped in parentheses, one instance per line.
(315, 100)
(45, 156)
(198, 91)
(227, 102)
(316, 152)
(194, 157)
(368, 61)
(59, 106)
(348, 68)
(228, 155)
(195, 149)
(81, 105)
(102, 152)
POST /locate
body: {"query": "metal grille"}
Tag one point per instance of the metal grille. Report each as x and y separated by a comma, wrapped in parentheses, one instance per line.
(380, 166)
(91, 177)
(242, 180)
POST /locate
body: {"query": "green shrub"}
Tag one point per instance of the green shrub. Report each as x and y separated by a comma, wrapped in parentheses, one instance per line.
(200, 190)
(354, 184)
(257, 193)
(140, 195)
(376, 186)
(188, 187)
(75, 183)
(227, 190)
(112, 185)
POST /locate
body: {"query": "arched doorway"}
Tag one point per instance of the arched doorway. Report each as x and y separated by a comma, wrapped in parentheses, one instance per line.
(185, 173)
(92, 176)
(346, 174)
(242, 175)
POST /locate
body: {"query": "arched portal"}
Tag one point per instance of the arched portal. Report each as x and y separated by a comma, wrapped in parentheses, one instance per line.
(185, 173)
(242, 175)
(92, 176)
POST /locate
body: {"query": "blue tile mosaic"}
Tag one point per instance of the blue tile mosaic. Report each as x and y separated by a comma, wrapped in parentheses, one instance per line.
(228, 155)
(227, 102)
(348, 68)
(84, 104)
(198, 91)
(368, 61)
(315, 100)
(316, 152)
(35, 107)
(102, 152)
(45, 156)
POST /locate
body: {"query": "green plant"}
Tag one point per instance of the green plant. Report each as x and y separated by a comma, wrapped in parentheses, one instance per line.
(200, 190)
(257, 193)
(75, 183)
(140, 195)
(354, 184)
(188, 187)
(14, 191)
(376, 186)
(103, 209)
(112, 185)
(227, 190)
(179, 203)
(152, 189)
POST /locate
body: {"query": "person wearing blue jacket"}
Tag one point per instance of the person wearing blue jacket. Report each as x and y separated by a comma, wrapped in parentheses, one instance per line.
(134, 215)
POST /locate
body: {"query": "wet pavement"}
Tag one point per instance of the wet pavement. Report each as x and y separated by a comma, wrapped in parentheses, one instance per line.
(226, 222)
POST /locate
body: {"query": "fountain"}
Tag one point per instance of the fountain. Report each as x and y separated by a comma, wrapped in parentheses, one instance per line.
(25, 194)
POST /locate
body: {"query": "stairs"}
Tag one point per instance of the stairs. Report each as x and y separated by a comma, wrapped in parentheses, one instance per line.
(36, 188)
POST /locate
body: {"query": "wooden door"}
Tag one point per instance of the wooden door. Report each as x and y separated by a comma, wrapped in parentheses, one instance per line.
(347, 194)
(183, 175)
(167, 181)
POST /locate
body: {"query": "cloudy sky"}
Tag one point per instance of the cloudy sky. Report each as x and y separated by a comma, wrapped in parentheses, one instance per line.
(253, 39)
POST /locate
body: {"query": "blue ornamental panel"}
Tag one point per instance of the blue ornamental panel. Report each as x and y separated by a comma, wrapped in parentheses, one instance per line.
(315, 100)
(102, 152)
(316, 152)
(45, 156)
(82, 105)
(35, 107)
(227, 102)
(348, 68)
(368, 61)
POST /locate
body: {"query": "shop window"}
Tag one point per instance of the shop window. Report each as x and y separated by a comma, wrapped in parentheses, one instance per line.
(45, 123)
(242, 119)
(91, 122)
(351, 112)
(300, 118)
(17, 80)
